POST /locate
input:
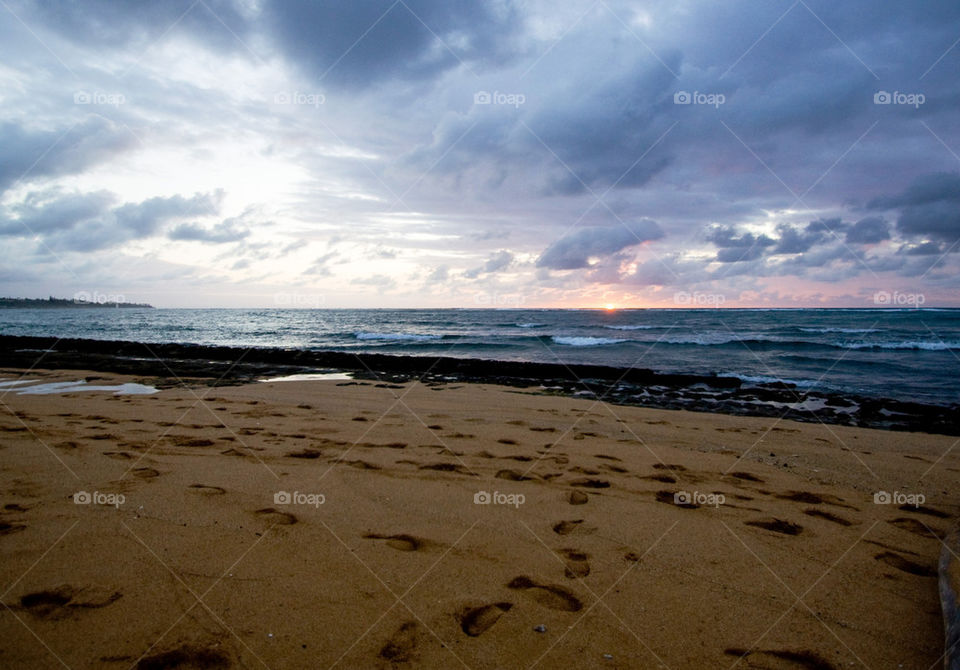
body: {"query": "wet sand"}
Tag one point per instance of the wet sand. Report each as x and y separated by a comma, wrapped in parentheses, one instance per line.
(356, 524)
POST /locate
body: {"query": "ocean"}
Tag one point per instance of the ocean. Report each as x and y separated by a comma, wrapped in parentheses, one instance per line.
(892, 353)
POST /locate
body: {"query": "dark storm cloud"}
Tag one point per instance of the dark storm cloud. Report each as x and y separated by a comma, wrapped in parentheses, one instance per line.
(496, 263)
(734, 247)
(143, 219)
(574, 250)
(870, 230)
(87, 222)
(49, 211)
(929, 207)
(575, 132)
(923, 249)
(797, 241)
(358, 43)
(28, 155)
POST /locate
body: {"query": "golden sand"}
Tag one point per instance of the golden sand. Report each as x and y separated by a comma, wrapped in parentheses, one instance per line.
(317, 525)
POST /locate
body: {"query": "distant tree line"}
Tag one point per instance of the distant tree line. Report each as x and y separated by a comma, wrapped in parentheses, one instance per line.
(57, 303)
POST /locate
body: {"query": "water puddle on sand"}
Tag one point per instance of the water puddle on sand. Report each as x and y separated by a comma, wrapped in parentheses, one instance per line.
(312, 377)
(7, 384)
(73, 387)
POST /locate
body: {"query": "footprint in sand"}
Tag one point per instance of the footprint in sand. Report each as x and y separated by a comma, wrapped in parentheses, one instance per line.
(402, 646)
(187, 441)
(820, 514)
(362, 465)
(916, 527)
(62, 601)
(146, 473)
(7, 528)
(187, 657)
(746, 476)
(119, 455)
(401, 542)
(566, 527)
(233, 452)
(306, 453)
(802, 496)
(272, 516)
(475, 621)
(576, 563)
(928, 511)
(803, 658)
(577, 498)
(549, 595)
(777, 526)
(207, 490)
(446, 467)
(512, 476)
(614, 468)
(905, 565)
(590, 483)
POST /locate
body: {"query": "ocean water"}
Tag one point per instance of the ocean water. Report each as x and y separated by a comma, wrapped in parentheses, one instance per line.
(905, 354)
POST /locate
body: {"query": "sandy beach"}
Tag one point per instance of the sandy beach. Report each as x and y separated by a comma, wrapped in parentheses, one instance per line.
(362, 525)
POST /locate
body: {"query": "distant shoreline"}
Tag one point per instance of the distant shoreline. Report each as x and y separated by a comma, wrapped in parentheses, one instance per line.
(65, 303)
(223, 365)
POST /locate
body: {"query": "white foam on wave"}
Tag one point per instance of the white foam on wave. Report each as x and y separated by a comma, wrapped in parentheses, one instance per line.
(924, 346)
(585, 341)
(397, 337)
(760, 379)
(707, 339)
(531, 325)
(851, 331)
(630, 327)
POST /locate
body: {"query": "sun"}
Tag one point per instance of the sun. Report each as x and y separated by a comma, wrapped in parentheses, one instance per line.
(609, 307)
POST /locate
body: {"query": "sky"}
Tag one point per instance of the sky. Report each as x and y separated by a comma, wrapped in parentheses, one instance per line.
(448, 153)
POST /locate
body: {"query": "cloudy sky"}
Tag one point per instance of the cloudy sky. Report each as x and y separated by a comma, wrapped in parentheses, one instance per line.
(452, 153)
